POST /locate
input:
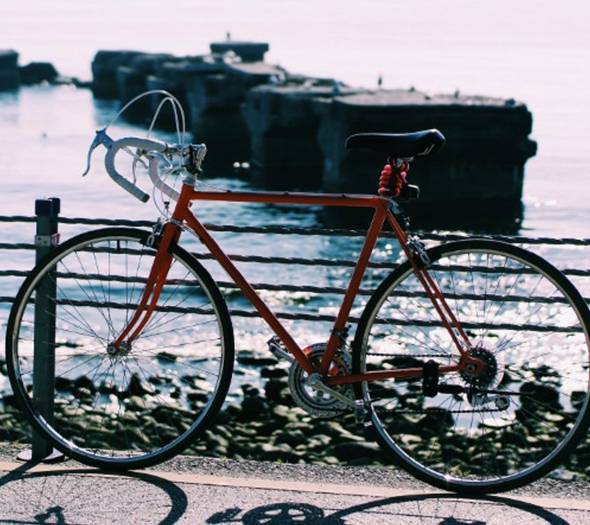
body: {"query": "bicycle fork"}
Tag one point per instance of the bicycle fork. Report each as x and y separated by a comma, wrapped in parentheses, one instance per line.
(153, 288)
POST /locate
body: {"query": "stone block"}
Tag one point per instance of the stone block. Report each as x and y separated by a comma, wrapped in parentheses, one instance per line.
(175, 76)
(37, 72)
(104, 71)
(482, 162)
(283, 126)
(9, 74)
(214, 102)
(132, 81)
(247, 51)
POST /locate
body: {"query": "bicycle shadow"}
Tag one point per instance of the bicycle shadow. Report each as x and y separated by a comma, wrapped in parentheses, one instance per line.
(427, 509)
(61, 496)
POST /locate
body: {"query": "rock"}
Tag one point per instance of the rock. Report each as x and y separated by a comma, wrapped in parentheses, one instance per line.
(539, 397)
(253, 407)
(86, 383)
(278, 453)
(282, 414)
(250, 358)
(247, 51)
(140, 388)
(292, 438)
(273, 372)
(216, 440)
(350, 451)
(250, 390)
(165, 357)
(277, 391)
(9, 74)
(37, 72)
(64, 384)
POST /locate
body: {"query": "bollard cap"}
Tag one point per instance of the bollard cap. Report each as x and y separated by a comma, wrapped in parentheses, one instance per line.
(47, 207)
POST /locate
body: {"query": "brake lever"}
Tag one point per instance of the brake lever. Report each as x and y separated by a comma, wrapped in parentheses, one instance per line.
(100, 138)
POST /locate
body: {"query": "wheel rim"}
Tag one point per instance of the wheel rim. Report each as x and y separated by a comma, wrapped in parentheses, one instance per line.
(151, 399)
(518, 315)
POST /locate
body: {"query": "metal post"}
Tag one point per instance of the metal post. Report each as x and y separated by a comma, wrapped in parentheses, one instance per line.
(46, 239)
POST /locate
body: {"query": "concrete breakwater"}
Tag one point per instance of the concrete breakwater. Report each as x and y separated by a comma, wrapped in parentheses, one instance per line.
(13, 75)
(291, 128)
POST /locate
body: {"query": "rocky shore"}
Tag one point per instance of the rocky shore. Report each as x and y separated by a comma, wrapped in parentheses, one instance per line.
(263, 423)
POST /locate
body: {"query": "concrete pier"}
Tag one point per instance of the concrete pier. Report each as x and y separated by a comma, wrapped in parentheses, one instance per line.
(292, 128)
(174, 76)
(283, 126)
(482, 162)
(104, 71)
(247, 51)
(37, 72)
(132, 81)
(215, 101)
(9, 75)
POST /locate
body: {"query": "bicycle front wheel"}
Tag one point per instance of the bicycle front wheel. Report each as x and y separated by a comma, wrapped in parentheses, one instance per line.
(528, 407)
(118, 410)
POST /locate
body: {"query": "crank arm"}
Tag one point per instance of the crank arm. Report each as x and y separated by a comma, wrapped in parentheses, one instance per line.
(315, 382)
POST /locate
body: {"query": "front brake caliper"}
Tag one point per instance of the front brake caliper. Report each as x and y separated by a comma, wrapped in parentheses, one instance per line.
(418, 251)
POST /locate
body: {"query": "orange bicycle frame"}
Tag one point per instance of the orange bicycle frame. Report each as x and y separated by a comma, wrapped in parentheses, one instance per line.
(382, 213)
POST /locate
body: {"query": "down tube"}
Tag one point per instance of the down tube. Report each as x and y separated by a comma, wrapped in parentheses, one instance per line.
(249, 292)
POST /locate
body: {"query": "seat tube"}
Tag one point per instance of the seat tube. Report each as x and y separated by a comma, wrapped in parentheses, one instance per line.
(335, 340)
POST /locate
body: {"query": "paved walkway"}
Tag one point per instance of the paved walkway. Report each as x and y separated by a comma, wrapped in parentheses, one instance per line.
(69, 494)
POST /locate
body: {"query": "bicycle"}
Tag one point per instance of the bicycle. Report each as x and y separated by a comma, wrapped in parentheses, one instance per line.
(470, 363)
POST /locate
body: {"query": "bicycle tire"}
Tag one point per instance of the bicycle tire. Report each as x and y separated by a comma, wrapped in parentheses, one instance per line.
(531, 327)
(124, 411)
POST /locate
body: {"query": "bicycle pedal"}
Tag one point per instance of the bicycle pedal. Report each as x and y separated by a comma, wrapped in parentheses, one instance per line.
(362, 414)
(277, 349)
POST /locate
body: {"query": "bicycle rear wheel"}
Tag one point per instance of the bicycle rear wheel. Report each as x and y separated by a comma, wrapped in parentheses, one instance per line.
(530, 327)
(128, 410)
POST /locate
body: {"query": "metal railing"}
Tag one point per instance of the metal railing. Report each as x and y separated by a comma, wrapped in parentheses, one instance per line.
(302, 261)
(47, 221)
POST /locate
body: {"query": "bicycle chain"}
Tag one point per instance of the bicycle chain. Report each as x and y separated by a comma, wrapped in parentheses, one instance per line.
(430, 411)
(410, 355)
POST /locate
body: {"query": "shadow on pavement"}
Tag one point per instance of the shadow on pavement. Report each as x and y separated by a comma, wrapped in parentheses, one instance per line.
(83, 495)
(428, 509)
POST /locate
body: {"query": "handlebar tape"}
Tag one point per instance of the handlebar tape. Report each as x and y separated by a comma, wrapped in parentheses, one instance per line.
(129, 142)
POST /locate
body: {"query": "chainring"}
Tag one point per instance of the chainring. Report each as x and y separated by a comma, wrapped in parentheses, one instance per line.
(315, 402)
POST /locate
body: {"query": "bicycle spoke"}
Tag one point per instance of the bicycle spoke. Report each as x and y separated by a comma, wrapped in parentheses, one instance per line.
(533, 346)
(126, 404)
